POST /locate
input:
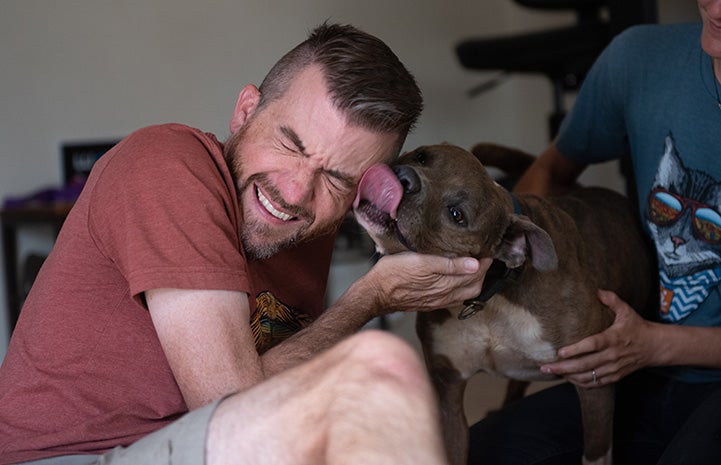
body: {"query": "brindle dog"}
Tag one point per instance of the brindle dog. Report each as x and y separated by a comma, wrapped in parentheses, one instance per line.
(550, 258)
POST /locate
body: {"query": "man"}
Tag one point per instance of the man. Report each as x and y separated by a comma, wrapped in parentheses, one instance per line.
(177, 242)
(654, 93)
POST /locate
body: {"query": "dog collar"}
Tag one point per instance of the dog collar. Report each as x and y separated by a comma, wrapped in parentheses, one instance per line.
(516, 206)
(498, 277)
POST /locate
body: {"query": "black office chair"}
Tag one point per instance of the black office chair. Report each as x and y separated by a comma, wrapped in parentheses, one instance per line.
(563, 54)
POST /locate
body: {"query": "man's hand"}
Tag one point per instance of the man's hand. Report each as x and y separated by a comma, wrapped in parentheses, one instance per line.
(621, 349)
(416, 282)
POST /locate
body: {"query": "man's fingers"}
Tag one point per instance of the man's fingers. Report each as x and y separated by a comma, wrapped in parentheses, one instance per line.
(464, 265)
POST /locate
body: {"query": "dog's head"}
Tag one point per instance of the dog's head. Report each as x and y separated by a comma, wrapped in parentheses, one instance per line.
(440, 200)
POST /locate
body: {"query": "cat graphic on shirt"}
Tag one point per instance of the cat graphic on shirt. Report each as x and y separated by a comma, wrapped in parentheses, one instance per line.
(684, 221)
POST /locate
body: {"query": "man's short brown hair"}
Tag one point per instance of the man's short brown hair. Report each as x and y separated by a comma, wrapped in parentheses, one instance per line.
(365, 79)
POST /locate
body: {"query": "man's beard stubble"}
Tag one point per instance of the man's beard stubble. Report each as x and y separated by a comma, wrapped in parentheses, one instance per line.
(251, 230)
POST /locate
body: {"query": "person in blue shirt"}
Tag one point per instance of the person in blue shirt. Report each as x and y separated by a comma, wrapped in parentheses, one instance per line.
(653, 94)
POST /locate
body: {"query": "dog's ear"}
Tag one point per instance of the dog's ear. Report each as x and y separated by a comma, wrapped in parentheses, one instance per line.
(524, 239)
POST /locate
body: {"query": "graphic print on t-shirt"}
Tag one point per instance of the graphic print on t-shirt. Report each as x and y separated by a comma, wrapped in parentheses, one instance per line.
(684, 221)
(273, 321)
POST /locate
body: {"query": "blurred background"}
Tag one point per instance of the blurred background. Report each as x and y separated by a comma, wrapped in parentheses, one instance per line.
(78, 73)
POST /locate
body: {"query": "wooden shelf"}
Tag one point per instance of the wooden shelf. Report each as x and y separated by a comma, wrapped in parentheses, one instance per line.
(12, 220)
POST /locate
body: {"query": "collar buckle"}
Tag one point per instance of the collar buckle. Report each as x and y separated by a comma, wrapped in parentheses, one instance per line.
(498, 278)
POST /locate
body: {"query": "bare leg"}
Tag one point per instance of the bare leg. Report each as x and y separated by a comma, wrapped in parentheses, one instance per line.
(365, 401)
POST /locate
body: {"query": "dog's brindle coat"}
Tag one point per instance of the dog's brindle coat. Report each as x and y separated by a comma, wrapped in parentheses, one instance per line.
(565, 248)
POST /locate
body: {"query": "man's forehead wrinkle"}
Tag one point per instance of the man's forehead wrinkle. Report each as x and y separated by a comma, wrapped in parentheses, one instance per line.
(295, 139)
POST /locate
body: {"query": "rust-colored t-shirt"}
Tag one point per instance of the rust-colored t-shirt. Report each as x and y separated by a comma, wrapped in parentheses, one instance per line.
(85, 371)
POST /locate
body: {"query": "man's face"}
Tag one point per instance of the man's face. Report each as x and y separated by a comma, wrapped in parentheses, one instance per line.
(297, 163)
(711, 35)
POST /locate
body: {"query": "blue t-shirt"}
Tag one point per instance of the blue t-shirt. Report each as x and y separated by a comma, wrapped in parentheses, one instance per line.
(652, 94)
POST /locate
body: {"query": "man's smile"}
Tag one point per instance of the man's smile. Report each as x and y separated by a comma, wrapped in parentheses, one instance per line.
(270, 208)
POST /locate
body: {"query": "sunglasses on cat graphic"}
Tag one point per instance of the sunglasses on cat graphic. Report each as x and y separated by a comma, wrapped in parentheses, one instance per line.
(665, 208)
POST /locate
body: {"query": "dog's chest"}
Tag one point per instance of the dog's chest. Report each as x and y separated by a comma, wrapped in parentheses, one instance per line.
(502, 338)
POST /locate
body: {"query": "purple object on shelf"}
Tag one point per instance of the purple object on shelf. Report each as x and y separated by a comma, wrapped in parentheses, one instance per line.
(48, 197)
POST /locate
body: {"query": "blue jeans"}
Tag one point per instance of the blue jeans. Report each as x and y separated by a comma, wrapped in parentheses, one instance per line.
(657, 421)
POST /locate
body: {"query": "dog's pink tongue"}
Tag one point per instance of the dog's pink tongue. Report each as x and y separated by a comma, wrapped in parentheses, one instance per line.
(380, 186)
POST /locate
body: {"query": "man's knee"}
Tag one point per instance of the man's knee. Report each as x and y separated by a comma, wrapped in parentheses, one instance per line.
(383, 356)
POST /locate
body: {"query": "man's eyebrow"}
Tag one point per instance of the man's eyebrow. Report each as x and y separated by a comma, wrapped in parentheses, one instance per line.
(295, 139)
(342, 177)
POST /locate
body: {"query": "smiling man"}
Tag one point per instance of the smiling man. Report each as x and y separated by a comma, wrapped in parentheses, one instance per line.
(296, 179)
(190, 269)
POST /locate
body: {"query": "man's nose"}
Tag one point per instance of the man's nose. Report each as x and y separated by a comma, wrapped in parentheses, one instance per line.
(300, 186)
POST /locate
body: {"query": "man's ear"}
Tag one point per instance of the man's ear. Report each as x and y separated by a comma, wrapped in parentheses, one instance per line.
(248, 100)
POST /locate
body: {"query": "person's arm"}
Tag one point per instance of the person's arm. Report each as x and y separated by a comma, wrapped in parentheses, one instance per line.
(208, 342)
(632, 343)
(401, 282)
(551, 173)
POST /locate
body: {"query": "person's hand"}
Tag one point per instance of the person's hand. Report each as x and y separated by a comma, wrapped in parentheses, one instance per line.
(608, 356)
(415, 282)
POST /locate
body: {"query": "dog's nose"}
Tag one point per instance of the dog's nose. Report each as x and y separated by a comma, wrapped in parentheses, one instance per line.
(409, 179)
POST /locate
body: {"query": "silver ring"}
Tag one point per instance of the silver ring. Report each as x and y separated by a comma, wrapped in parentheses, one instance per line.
(595, 378)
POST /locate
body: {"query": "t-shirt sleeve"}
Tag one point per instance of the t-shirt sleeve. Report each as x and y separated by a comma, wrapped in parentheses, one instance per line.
(163, 211)
(595, 129)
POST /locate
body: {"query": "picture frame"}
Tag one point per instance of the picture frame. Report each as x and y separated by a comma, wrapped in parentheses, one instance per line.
(78, 159)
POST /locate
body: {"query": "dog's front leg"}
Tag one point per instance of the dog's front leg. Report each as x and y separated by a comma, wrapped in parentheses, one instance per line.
(448, 381)
(597, 411)
(449, 384)
(453, 417)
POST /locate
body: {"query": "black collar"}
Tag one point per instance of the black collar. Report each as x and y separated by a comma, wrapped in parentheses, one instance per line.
(516, 206)
(498, 277)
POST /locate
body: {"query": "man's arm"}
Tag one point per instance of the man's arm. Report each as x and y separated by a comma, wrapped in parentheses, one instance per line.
(207, 338)
(401, 282)
(551, 173)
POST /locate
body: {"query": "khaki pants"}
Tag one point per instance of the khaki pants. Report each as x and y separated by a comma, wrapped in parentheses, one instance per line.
(180, 443)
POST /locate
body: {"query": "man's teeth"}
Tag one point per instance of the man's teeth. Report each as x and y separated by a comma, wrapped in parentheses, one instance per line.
(266, 203)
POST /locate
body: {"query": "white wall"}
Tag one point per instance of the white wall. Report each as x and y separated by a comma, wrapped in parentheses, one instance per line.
(98, 69)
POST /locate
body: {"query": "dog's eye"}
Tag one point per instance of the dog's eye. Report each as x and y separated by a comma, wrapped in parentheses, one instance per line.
(457, 216)
(421, 158)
